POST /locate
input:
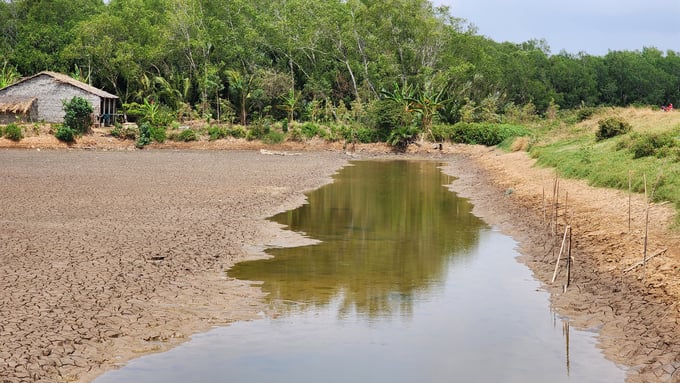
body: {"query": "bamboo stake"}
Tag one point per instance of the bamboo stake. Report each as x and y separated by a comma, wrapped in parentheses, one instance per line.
(569, 262)
(660, 252)
(644, 252)
(566, 216)
(544, 204)
(629, 195)
(559, 256)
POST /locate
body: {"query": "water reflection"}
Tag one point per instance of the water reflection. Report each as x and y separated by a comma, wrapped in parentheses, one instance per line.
(472, 312)
(388, 232)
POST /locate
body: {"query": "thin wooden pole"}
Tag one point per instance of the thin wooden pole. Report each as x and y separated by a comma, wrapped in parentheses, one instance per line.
(629, 195)
(569, 261)
(644, 252)
(559, 256)
(566, 216)
(544, 204)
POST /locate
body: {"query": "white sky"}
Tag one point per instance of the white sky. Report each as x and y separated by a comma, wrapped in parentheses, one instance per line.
(591, 26)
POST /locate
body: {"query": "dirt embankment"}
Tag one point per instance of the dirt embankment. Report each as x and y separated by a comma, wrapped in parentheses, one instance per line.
(107, 256)
(636, 310)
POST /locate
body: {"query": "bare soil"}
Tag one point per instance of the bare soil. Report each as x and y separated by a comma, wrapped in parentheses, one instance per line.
(106, 255)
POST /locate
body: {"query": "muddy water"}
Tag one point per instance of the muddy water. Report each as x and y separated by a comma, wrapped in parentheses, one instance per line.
(406, 285)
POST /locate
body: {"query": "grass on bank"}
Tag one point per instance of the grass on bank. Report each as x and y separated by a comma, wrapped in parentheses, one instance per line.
(651, 148)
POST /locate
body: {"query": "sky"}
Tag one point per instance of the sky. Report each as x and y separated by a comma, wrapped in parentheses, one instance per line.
(591, 26)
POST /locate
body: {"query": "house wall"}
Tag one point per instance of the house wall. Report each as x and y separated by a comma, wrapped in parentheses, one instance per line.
(50, 94)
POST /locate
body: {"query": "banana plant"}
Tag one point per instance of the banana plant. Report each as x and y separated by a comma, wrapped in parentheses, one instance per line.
(8, 75)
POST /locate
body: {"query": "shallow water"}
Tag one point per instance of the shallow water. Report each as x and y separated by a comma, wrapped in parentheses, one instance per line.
(406, 285)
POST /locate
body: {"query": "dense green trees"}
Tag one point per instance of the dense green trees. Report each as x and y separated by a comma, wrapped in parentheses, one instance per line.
(317, 60)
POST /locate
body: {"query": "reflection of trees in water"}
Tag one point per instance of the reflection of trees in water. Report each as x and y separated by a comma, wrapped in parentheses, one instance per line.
(389, 230)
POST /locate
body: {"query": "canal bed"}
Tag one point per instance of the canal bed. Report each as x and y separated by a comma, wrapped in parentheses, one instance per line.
(405, 285)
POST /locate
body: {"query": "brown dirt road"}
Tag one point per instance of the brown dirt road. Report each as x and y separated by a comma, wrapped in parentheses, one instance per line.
(109, 254)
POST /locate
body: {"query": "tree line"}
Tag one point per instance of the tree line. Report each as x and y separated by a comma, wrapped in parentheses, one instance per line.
(241, 60)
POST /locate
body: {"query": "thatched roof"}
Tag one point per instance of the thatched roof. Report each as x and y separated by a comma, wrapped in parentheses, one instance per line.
(19, 106)
(62, 78)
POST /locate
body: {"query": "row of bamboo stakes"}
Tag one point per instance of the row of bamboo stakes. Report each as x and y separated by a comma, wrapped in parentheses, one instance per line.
(566, 245)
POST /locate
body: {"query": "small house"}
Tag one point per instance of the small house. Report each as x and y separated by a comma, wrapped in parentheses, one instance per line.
(41, 98)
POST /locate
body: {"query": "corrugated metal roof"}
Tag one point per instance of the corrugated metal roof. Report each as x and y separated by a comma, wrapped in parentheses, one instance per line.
(60, 77)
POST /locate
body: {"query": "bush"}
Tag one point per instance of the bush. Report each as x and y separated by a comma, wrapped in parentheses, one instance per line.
(442, 132)
(66, 134)
(310, 130)
(611, 127)
(402, 137)
(0, 131)
(217, 132)
(158, 134)
(77, 114)
(485, 133)
(186, 136)
(584, 113)
(652, 144)
(273, 137)
(238, 132)
(125, 132)
(144, 135)
(13, 132)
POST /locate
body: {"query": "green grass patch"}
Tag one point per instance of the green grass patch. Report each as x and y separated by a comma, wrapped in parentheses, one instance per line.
(608, 163)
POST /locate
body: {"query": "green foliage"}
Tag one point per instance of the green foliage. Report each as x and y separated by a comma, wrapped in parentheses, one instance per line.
(584, 113)
(8, 75)
(385, 115)
(13, 132)
(77, 115)
(274, 137)
(158, 134)
(144, 138)
(259, 129)
(238, 132)
(217, 132)
(66, 134)
(401, 137)
(186, 136)
(611, 127)
(150, 112)
(659, 144)
(244, 59)
(125, 132)
(603, 163)
(311, 130)
(485, 133)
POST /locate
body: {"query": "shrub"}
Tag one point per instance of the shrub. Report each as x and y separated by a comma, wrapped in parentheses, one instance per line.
(441, 132)
(186, 136)
(144, 135)
(403, 136)
(0, 131)
(217, 132)
(238, 132)
(485, 133)
(584, 113)
(652, 144)
(611, 127)
(273, 137)
(310, 130)
(13, 132)
(77, 114)
(125, 132)
(365, 135)
(64, 133)
(158, 134)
